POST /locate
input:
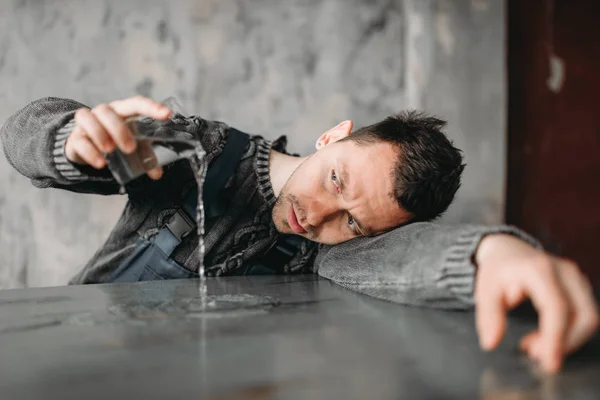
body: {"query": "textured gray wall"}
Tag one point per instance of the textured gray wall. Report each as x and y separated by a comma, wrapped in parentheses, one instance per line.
(268, 67)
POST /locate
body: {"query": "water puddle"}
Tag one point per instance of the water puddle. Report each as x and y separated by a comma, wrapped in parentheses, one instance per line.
(229, 306)
(170, 311)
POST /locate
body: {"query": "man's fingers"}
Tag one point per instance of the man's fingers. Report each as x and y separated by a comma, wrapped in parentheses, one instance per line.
(140, 105)
(155, 173)
(494, 297)
(585, 311)
(527, 340)
(95, 131)
(490, 317)
(116, 128)
(70, 151)
(553, 308)
(86, 150)
(518, 269)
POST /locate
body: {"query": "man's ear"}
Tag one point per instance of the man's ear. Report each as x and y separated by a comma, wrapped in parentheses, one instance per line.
(336, 133)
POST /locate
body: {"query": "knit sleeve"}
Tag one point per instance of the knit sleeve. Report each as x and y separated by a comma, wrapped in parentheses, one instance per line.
(423, 264)
(34, 139)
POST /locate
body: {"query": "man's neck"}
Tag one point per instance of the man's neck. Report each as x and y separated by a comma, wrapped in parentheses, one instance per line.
(281, 167)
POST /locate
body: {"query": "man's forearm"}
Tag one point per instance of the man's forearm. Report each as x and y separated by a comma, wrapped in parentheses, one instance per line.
(422, 264)
(34, 139)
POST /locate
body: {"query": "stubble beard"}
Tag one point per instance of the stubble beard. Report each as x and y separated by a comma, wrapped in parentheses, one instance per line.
(279, 216)
(281, 223)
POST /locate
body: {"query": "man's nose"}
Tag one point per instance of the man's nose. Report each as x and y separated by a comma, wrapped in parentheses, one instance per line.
(320, 212)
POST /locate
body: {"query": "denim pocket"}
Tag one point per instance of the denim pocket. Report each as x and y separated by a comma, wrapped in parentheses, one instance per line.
(160, 267)
(149, 263)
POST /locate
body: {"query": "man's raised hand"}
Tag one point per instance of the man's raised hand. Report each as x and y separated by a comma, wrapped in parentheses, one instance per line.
(101, 129)
(509, 271)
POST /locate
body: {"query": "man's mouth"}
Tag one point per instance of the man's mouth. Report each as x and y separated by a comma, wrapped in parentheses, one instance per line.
(293, 221)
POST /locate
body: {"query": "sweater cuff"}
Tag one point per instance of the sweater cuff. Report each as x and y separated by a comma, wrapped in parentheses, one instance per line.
(458, 273)
(71, 171)
(65, 167)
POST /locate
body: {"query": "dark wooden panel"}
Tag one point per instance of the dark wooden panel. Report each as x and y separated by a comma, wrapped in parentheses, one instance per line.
(554, 125)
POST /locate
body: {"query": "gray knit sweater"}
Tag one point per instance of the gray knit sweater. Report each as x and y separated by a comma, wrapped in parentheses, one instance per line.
(418, 264)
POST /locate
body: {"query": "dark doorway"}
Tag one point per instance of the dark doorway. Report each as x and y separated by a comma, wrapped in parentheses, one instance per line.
(554, 125)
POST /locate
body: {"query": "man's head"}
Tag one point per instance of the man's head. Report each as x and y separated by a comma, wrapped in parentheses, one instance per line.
(402, 169)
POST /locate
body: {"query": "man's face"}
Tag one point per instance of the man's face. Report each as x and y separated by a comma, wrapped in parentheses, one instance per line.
(341, 192)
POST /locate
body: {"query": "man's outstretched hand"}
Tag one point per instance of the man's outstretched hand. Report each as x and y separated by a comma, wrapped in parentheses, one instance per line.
(508, 271)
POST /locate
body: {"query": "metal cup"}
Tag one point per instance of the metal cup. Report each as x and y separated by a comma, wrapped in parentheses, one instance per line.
(151, 152)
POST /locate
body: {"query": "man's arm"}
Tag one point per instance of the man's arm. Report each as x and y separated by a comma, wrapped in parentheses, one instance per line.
(421, 264)
(53, 142)
(458, 267)
(34, 140)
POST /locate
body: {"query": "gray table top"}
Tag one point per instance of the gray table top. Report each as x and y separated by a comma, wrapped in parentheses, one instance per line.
(261, 338)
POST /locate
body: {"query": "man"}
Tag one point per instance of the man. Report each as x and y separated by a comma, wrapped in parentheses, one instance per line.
(365, 196)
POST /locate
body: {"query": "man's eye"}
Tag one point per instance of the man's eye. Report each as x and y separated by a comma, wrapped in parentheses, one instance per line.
(335, 181)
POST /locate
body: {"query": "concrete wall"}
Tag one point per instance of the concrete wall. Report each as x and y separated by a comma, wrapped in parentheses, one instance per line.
(268, 67)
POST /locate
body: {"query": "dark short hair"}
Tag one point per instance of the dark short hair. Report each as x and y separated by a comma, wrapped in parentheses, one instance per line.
(428, 171)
